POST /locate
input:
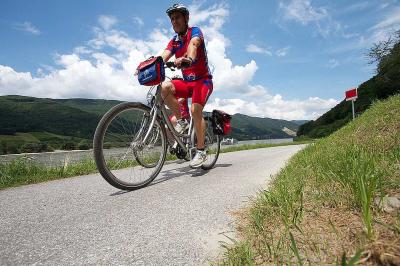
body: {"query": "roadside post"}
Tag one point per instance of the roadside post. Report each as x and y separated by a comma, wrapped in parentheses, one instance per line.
(351, 95)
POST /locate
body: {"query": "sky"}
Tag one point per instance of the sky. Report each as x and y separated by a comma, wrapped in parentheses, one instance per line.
(284, 59)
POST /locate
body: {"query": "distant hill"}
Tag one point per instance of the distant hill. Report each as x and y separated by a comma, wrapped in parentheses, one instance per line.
(57, 121)
(247, 127)
(29, 114)
(381, 86)
(299, 122)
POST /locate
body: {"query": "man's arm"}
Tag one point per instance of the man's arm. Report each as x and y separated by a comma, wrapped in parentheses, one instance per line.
(166, 55)
(192, 48)
(191, 54)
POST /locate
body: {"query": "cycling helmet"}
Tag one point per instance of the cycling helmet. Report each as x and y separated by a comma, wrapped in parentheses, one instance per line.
(177, 7)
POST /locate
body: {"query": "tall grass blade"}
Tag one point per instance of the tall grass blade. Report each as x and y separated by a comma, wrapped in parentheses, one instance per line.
(294, 249)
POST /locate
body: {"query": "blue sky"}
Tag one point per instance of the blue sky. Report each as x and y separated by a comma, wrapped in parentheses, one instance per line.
(289, 59)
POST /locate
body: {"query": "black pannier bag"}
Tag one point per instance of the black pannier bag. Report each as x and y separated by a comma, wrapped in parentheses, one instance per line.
(221, 122)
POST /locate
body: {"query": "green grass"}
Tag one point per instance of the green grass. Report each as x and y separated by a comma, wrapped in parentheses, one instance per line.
(335, 179)
(24, 171)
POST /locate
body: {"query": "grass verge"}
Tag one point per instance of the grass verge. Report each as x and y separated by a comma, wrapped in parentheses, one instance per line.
(24, 171)
(320, 207)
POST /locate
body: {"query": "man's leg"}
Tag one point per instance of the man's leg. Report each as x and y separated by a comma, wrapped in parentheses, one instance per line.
(200, 96)
(199, 124)
(168, 94)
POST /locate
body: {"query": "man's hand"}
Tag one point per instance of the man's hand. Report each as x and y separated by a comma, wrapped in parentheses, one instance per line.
(182, 62)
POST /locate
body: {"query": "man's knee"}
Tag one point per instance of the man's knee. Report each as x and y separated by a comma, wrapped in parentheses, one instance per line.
(167, 88)
(196, 109)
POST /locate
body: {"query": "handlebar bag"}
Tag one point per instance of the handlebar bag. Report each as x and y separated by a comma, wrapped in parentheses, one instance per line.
(221, 122)
(151, 72)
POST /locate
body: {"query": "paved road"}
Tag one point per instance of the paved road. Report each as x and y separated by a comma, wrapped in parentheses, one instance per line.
(176, 221)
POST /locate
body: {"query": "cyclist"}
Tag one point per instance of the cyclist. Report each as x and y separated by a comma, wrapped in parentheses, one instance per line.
(189, 49)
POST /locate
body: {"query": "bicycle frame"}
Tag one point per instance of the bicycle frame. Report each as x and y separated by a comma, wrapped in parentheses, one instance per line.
(159, 108)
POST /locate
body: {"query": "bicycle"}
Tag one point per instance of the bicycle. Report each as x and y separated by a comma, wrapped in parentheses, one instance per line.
(130, 142)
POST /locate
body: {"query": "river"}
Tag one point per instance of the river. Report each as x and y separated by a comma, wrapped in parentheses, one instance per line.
(66, 157)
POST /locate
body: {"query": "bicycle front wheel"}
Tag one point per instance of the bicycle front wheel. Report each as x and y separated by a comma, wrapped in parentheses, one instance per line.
(122, 156)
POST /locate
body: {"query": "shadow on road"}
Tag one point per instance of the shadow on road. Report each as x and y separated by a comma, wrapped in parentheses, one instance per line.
(222, 165)
(120, 192)
(174, 173)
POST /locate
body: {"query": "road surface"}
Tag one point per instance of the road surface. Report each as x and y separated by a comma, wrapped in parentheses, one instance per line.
(178, 220)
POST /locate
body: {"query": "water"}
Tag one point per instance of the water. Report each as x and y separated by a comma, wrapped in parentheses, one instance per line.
(66, 157)
(264, 141)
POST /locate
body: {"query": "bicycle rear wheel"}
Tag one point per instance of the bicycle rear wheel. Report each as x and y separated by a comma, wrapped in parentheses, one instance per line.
(123, 159)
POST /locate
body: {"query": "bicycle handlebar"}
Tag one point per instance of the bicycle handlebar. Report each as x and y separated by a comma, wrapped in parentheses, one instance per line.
(172, 65)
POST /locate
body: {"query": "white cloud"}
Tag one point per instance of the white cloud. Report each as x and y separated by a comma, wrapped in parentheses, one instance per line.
(360, 6)
(138, 21)
(383, 29)
(215, 13)
(332, 63)
(302, 11)
(274, 106)
(82, 50)
(392, 20)
(252, 48)
(104, 67)
(27, 27)
(107, 21)
(283, 51)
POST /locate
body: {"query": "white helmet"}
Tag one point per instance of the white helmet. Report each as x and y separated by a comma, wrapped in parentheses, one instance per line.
(177, 7)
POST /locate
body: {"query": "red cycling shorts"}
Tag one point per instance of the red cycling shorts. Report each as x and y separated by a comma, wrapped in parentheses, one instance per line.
(199, 90)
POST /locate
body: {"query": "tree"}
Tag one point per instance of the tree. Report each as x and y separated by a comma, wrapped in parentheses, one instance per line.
(69, 145)
(84, 145)
(381, 50)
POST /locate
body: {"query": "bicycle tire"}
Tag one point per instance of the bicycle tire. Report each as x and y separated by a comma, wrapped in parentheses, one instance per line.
(106, 123)
(212, 145)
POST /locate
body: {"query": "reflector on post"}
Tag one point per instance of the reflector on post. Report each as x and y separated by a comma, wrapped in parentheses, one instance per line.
(351, 94)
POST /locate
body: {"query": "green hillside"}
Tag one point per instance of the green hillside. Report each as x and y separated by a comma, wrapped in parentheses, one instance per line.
(66, 123)
(381, 86)
(98, 107)
(243, 127)
(247, 127)
(28, 114)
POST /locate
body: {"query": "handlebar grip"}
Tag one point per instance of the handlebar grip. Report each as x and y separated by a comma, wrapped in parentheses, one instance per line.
(185, 64)
(170, 64)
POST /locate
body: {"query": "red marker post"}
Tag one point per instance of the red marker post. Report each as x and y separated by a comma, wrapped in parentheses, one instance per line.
(351, 95)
